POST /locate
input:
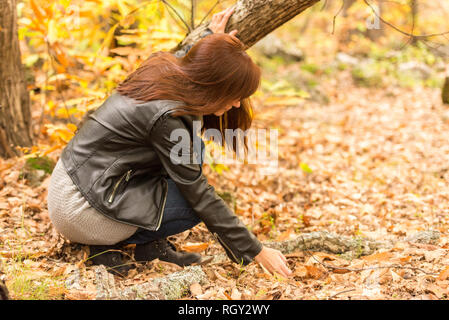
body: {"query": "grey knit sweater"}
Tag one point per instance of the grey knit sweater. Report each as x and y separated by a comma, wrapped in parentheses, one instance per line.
(75, 218)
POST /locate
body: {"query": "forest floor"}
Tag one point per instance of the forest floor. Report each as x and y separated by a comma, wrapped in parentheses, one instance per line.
(371, 163)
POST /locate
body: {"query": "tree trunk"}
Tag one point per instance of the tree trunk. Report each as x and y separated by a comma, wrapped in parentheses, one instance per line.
(445, 91)
(4, 295)
(254, 19)
(15, 113)
(346, 6)
(414, 12)
(376, 30)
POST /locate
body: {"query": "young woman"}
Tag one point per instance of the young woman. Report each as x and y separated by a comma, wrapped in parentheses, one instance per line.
(116, 182)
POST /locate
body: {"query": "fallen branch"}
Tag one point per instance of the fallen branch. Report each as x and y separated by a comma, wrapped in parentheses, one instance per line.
(341, 292)
(391, 266)
(173, 286)
(348, 246)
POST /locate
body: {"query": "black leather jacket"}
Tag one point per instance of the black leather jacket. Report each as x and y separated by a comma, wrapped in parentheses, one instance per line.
(120, 159)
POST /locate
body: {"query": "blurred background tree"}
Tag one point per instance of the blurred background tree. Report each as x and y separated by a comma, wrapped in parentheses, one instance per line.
(15, 116)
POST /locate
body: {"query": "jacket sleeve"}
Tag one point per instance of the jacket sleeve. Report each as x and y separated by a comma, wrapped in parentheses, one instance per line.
(182, 52)
(240, 244)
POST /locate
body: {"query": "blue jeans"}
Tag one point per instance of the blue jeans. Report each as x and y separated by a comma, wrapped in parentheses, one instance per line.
(178, 215)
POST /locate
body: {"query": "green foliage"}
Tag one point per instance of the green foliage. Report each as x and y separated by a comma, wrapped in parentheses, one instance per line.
(29, 283)
(284, 87)
(368, 75)
(304, 167)
(41, 163)
(24, 287)
(310, 67)
(228, 198)
(385, 63)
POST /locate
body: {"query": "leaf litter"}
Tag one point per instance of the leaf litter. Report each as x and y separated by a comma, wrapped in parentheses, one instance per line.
(370, 163)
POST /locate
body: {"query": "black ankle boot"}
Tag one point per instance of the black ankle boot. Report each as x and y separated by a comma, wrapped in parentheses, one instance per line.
(111, 259)
(165, 251)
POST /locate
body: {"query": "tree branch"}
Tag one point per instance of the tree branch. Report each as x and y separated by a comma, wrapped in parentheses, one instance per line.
(178, 15)
(419, 37)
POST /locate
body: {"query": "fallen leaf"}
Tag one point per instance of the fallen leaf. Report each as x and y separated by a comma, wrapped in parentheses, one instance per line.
(132, 273)
(294, 255)
(396, 277)
(314, 272)
(235, 294)
(438, 291)
(381, 256)
(59, 271)
(195, 289)
(227, 295)
(195, 247)
(207, 295)
(430, 256)
(285, 235)
(340, 270)
(79, 295)
(444, 275)
(405, 259)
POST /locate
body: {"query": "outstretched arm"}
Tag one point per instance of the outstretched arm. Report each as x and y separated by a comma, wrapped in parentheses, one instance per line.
(239, 243)
(217, 25)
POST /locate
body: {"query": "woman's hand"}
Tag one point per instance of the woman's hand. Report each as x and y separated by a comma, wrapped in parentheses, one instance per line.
(219, 21)
(274, 261)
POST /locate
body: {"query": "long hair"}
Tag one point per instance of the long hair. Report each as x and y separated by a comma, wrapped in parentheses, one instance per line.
(213, 73)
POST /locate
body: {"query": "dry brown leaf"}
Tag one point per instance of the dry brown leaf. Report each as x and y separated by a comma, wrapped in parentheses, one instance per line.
(227, 295)
(426, 297)
(285, 235)
(59, 271)
(430, 256)
(195, 289)
(79, 295)
(132, 273)
(57, 291)
(340, 270)
(437, 290)
(207, 295)
(263, 275)
(195, 247)
(29, 254)
(324, 256)
(381, 256)
(219, 276)
(294, 255)
(406, 259)
(306, 220)
(425, 246)
(444, 275)
(396, 277)
(315, 272)
(235, 294)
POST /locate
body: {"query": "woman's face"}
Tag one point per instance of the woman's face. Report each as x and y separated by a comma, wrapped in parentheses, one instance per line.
(235, 103)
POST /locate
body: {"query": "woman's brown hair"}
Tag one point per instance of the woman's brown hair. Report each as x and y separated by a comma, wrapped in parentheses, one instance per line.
(213, 73)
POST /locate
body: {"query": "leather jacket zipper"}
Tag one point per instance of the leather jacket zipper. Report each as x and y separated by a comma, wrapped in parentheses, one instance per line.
(163, 206)
(226, 246)
(125, 176)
